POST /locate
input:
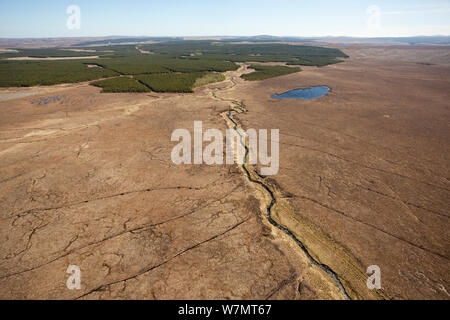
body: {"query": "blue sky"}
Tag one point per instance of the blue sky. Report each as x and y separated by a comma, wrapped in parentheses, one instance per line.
(47, 18)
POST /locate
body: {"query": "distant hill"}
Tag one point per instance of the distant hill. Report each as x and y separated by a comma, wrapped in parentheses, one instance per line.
(91, 41)
(127, 40)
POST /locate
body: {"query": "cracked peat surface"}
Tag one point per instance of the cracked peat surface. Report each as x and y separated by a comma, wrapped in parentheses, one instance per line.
(90, 183)
(363, 181)
(363, 170)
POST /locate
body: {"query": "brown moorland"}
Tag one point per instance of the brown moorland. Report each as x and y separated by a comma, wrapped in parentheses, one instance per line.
(87, 180)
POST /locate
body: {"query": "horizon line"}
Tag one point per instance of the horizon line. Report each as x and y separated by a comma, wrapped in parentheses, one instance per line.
(230, 36)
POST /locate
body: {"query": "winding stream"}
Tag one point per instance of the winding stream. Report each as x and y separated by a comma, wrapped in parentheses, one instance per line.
(236, 108)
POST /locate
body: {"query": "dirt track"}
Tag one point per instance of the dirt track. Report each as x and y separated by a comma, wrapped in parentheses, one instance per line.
(51, 59)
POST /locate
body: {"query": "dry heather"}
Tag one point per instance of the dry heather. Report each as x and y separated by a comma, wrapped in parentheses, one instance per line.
(87, 180)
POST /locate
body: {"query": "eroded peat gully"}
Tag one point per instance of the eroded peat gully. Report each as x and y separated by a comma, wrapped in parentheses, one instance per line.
(236, 108)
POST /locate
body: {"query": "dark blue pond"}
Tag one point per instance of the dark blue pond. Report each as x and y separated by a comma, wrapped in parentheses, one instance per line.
(304, 94)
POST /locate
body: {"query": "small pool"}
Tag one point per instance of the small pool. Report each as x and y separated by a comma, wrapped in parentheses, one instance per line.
(304, 94)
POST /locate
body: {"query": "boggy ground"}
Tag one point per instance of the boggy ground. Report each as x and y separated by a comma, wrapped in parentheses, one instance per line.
(87, 180)
(365, 170)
